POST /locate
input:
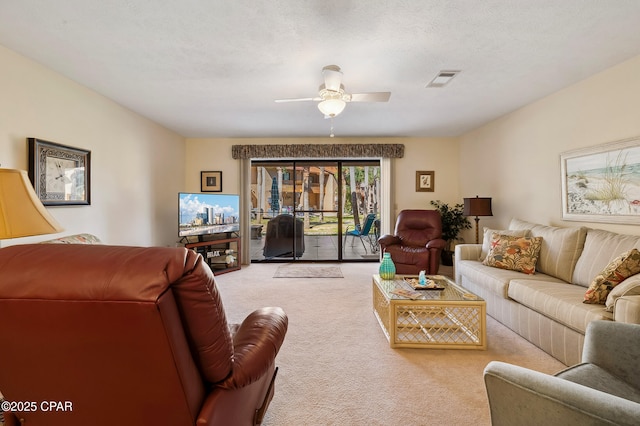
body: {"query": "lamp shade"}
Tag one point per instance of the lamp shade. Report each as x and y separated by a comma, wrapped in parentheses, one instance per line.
(21, 212)
(332, 107)
(478, 206)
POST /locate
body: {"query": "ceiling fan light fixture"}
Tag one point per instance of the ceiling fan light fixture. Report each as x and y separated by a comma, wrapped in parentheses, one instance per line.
(332, 107)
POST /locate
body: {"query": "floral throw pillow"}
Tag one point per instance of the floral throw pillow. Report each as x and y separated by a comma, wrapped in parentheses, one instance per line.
(514, 253)
(488, 234)
(618, 270)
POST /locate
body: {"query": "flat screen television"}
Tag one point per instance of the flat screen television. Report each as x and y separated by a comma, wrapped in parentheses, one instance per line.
(203, 214)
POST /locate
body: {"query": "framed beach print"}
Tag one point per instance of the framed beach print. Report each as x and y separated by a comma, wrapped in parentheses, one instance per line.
(211, 181)
(60, 174)
(602, 183)
(425, 181)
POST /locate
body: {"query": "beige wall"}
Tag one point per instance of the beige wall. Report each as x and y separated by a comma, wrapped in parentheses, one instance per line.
(516, 159)
(437, 154)
(137, 166)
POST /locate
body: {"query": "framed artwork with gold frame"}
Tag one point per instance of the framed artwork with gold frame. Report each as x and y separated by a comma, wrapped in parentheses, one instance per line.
(211, 181)
(60, 174)
(425, 181)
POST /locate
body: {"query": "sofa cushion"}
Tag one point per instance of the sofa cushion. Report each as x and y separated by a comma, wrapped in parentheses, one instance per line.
(559, 301)
(560, 250)
(620, 268)
(488, 235)
(494, 279)
(600, 248)
(628, 287)
(514, 253)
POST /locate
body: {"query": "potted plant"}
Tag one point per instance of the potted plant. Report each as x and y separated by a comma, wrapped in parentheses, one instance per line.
(453, 222)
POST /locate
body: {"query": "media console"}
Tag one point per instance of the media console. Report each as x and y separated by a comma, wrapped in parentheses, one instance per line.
(221, 252)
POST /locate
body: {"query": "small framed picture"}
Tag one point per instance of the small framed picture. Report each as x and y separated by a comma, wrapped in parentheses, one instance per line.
(210, 181)
(60, 174)
(425, 181)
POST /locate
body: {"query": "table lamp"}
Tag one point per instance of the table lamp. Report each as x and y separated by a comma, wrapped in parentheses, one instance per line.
(21, 212)
(479, 206)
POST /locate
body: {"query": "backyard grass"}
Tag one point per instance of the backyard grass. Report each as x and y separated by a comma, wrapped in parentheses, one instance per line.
(318, 226)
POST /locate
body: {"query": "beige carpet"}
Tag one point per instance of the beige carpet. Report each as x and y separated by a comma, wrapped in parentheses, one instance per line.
(336, 367)
(289, 270)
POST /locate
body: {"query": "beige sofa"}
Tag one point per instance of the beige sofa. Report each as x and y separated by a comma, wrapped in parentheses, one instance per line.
(547, 308)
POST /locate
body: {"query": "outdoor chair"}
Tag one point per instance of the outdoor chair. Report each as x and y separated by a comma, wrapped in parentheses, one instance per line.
(280, 236)
(363, 232)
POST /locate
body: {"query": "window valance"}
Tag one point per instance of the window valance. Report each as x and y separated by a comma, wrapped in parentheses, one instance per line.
(318, 151)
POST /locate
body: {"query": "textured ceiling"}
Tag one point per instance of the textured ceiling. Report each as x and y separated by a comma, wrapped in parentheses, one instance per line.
(213, 68)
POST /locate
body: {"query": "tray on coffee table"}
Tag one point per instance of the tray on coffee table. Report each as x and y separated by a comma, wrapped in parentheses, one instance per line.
(431, 284)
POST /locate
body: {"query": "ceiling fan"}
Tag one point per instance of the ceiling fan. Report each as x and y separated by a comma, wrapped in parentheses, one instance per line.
(332, 97)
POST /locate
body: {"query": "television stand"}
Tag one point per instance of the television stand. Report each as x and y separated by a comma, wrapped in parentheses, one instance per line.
(222, 254)
(210, 237)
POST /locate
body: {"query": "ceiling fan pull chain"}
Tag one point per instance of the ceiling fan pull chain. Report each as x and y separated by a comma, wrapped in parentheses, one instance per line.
(331, 134)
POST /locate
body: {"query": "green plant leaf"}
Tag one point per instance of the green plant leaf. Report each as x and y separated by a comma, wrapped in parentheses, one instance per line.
(453, 220)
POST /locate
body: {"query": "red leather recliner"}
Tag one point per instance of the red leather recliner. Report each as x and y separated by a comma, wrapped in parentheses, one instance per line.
(416, 244)
(105, 335)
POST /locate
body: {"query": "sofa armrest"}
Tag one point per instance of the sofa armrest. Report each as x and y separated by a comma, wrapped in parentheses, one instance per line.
(614, 347)
(627, 309)
(468, 251)
(437, 244)
(465, 252)
(519, 396)
(388, 240)
(256, 344)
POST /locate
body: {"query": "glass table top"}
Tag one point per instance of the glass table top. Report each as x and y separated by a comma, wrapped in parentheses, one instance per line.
(404, 287)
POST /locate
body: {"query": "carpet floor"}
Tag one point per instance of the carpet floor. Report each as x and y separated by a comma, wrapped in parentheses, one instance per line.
(336, 366)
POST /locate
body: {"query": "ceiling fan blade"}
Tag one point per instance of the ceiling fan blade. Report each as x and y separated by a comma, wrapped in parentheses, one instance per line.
(370, 97)
(298, 100)
(332, 77)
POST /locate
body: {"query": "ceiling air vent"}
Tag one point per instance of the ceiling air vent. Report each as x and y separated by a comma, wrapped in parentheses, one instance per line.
(443, 78)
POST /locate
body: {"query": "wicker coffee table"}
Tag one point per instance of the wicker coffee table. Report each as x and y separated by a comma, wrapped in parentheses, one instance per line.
(451, 318)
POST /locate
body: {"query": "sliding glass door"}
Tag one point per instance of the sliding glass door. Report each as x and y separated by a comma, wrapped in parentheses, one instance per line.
(314, 210)
(361, 210)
